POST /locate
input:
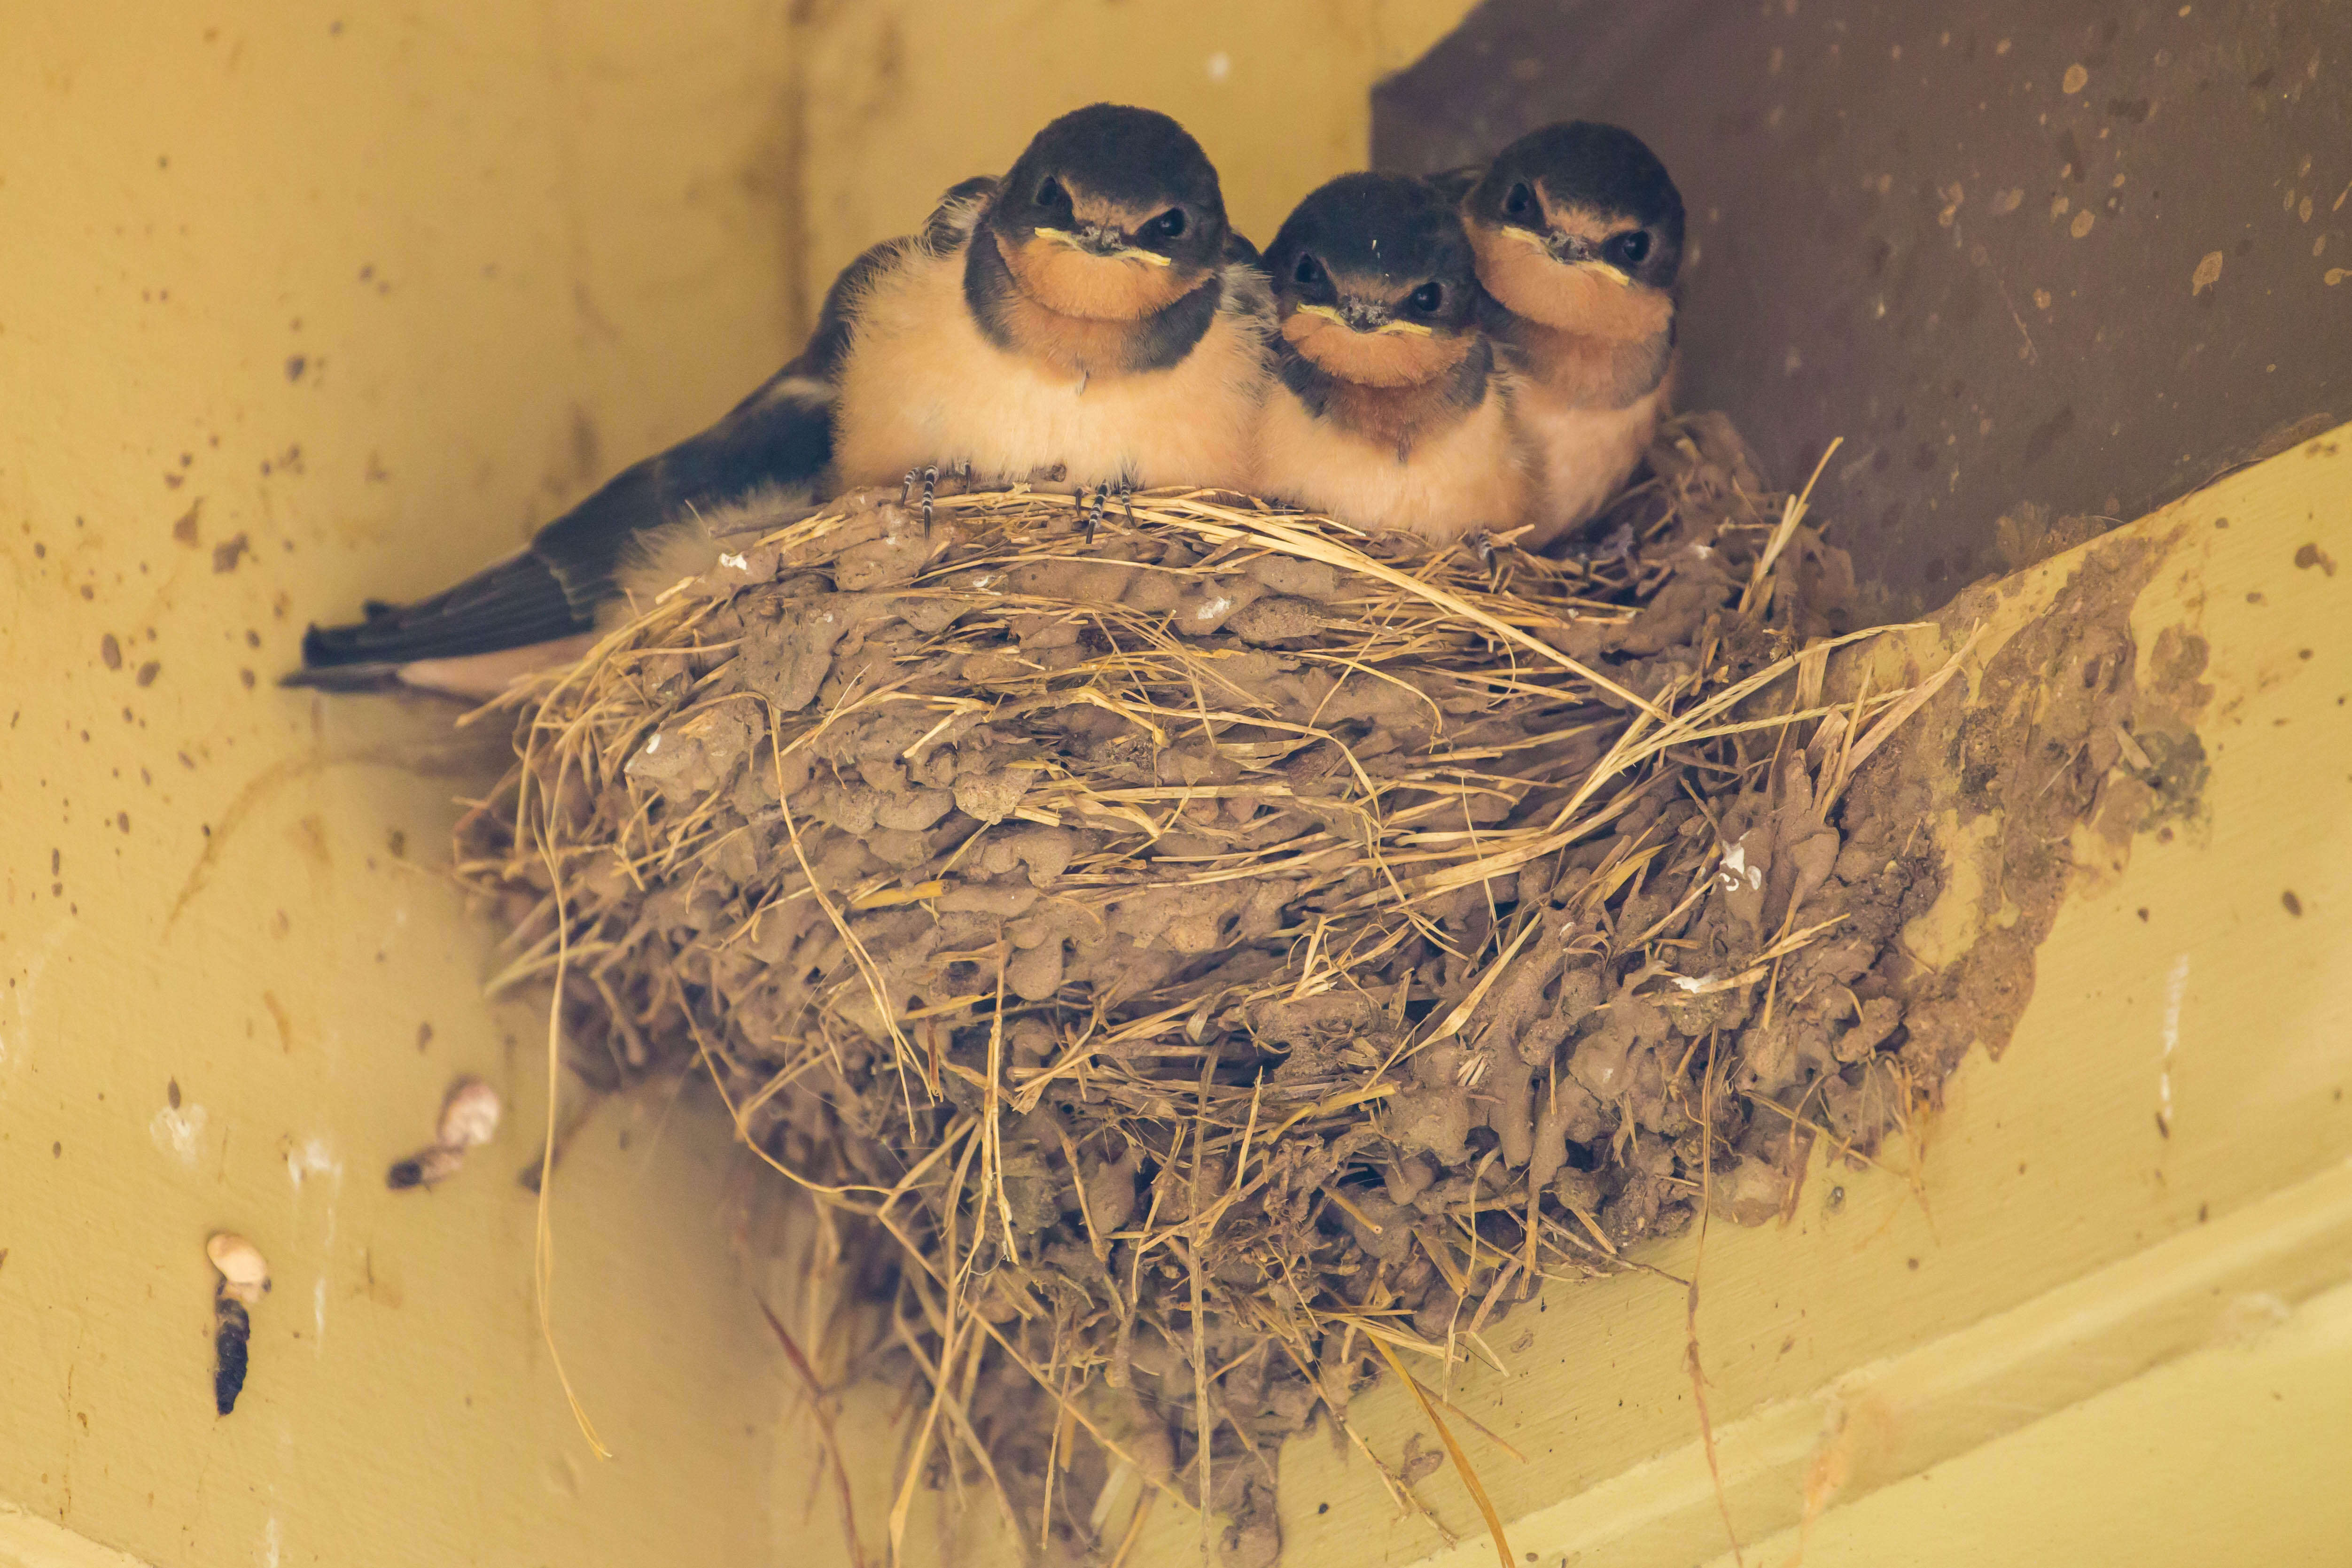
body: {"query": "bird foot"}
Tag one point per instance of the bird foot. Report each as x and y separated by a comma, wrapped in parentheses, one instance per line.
(930, 479)
(1124, 489)
(1484, 542)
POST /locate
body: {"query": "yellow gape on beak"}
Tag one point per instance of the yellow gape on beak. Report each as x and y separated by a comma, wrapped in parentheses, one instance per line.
(1393, 327)
(1604, 270)
(1124, 253)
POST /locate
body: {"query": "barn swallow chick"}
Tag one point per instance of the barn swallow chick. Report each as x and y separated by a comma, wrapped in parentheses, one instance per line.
(1578, 234)
(1386, 413)
(1090, 316)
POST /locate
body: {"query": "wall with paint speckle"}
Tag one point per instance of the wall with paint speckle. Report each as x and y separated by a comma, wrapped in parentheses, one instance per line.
(297, 310)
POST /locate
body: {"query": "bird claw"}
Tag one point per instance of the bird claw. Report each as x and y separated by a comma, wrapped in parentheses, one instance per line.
(958, 475)
(1123, 487)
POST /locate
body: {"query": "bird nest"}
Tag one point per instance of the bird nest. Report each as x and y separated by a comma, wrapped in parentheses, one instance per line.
(1206, 955)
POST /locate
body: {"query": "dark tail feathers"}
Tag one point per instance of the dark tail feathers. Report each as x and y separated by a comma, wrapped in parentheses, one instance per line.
(371, 677)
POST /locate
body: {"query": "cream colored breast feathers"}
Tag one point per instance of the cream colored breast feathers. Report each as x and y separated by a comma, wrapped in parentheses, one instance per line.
(931, 388)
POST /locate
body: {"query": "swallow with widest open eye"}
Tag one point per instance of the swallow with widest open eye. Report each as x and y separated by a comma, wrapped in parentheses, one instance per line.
(1578, 234)
(1090, 320)
(652, 524)
(1386, 413)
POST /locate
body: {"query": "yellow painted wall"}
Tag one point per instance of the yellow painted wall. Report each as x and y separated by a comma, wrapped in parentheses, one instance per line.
(302, 303)
(2233, 1453)
(376, 293)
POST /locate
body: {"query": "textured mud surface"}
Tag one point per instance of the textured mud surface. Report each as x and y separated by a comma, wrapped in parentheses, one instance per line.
(2034, 776)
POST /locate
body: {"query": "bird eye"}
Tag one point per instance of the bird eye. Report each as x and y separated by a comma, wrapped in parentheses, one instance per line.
(1426, 300)
(1051, 194)
(1520, 202)
(1169, 224)
(1627, 250)
(1306, 272)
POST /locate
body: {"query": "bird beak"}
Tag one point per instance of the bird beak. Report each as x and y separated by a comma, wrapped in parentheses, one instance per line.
(1570, 251)
(1108, 244)
(1373, 318)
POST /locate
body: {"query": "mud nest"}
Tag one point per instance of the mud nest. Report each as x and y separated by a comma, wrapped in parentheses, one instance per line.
(1201, 957)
